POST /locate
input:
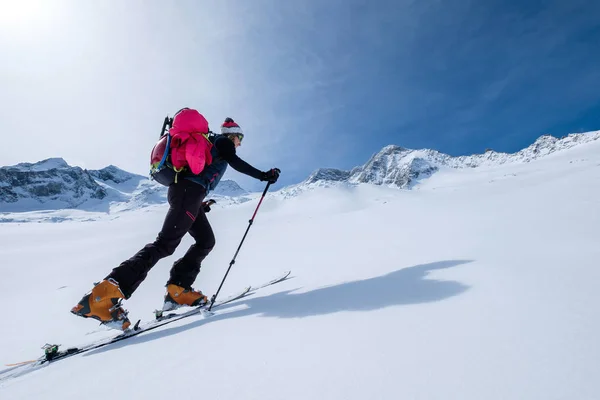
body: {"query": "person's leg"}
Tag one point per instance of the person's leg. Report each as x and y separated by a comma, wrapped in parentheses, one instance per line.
(185, 200)
(186, 269)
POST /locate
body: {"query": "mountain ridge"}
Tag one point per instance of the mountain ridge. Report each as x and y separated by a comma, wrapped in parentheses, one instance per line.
(53, 184)
(397, 166)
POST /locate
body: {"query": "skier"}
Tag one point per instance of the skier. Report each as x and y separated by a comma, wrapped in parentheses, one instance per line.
(186, 214)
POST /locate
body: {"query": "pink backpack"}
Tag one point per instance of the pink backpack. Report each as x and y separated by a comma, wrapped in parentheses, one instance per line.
(185, 147)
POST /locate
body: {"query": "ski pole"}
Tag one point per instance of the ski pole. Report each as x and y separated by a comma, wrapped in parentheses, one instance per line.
(214, 297)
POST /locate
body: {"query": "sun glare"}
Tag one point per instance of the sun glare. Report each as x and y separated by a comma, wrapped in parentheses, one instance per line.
(22, 16)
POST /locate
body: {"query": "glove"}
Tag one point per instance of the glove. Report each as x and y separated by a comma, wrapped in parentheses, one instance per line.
(271, 175)
(206, 205)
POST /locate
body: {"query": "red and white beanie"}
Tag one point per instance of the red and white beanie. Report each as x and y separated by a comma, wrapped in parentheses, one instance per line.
(230, 127)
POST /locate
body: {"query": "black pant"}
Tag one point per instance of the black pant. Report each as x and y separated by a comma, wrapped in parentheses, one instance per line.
(185, 215)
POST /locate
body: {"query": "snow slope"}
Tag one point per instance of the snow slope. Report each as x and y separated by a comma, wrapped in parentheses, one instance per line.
(479, 284)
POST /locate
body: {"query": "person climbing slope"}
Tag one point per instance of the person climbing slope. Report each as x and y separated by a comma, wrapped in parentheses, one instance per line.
(186, 214)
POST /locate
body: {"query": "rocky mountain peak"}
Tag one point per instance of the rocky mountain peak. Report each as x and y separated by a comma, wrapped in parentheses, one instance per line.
(396, 166)
(44, 165)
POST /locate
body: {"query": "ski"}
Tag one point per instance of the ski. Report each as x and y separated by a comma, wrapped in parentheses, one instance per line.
(283, 277)
(52, 352)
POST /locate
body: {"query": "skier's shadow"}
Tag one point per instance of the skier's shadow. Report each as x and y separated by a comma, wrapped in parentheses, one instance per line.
(405, 286)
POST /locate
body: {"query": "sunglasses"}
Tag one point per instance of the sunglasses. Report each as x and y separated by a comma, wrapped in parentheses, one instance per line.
(240, 136)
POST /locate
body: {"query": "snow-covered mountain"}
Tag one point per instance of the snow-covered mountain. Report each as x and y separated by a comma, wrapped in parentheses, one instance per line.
(54, 185)
(51, 183)
(230, 188)
(399, 167)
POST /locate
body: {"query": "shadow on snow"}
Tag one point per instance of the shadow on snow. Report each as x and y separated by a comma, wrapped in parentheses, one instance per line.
(405, 286)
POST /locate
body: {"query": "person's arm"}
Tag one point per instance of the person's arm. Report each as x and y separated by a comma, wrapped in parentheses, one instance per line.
(227, 151)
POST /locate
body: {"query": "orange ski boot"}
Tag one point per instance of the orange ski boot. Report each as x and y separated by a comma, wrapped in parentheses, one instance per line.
(104, 304)
(178, 296)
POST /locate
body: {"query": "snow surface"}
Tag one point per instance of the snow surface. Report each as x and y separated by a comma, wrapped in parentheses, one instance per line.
(478, 284)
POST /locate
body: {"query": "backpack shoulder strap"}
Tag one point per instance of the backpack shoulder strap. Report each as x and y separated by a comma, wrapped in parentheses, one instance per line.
(213, 137)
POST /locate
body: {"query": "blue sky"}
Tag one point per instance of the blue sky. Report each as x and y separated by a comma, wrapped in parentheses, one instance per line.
(312, 83)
